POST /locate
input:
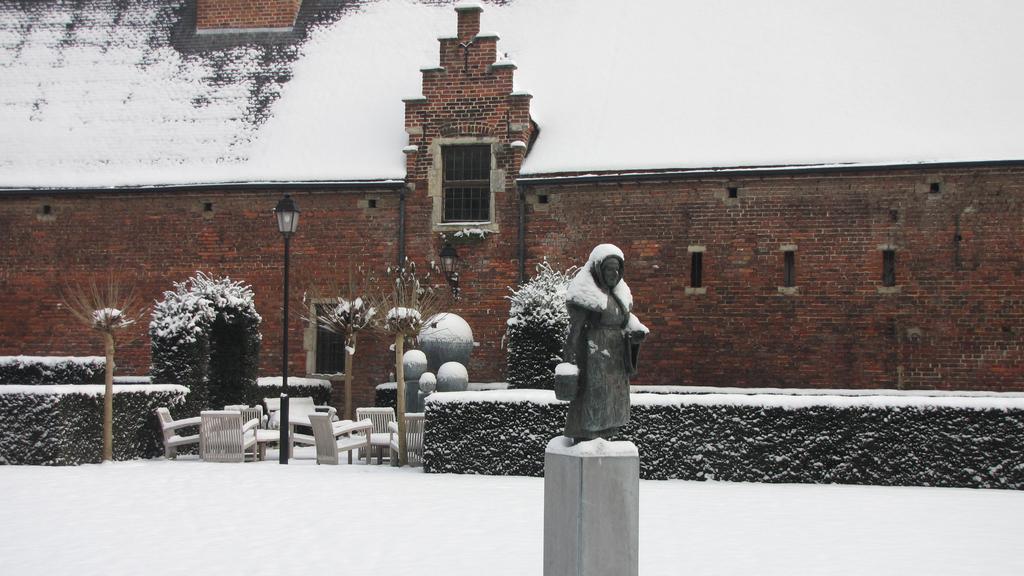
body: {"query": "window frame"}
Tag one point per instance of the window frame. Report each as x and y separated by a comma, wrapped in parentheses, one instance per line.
(450, 160)
(435, 183)
(314, 344)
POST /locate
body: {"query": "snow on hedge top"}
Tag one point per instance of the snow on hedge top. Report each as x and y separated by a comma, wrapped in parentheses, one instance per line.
(293, 381)
(92, 389)
(188, 310)
(53, 360)
(617, 85)
(993, 401)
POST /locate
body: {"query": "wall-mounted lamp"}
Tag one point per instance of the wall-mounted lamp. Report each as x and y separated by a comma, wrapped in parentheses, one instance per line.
(450, 267)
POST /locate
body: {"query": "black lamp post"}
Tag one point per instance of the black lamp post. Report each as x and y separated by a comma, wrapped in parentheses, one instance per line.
(450, 267)
(287, 222)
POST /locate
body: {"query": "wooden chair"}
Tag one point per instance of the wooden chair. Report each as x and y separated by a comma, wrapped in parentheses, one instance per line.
(169, 426)
(413, 439)
(380, 437)
(224, 438)
(333, 438)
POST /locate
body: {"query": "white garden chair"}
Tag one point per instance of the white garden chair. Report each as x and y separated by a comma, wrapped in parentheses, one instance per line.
(250, 412)
(298, 406)
(264, 436)
(333, 438)
(380, 437)
(413, 439)
(223, 437)
(170, 427)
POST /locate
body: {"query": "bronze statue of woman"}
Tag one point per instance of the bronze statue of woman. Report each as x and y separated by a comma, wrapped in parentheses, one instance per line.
(601, 350)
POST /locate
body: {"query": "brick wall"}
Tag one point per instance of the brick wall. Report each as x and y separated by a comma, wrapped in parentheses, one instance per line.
(213, 14)
(955, 319)
(159, 238)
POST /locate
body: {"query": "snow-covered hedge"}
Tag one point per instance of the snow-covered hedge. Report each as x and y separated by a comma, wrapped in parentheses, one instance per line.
(882, 440)
(63, 424)
(537, 326)
(51, 369)
(205, 335)
(386, 393)
(270, 387)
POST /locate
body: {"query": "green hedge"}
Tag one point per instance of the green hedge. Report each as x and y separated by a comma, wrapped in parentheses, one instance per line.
(52, 369)
(537, 327)
(205, 335)
(296, 388)
(386, 395)
(61, 425)
(901, 441)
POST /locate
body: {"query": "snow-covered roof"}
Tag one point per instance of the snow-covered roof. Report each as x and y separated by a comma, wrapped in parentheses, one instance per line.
(106, 93)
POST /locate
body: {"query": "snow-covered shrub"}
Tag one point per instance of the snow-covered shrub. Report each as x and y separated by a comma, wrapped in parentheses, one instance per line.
(890, 441)
(270, 387)
(51, 369)
(205, 335)
(537, 326)
(385, 395)
(61, 425)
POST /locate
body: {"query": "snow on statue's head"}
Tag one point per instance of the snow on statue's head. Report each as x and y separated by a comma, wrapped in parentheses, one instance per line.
(602, 275)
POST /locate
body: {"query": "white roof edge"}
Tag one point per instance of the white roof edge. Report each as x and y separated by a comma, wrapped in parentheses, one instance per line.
(230, 184)
(567, 175)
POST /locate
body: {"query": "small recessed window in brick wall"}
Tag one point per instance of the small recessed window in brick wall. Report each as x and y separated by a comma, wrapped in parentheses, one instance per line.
(789, 273)
(888, 267)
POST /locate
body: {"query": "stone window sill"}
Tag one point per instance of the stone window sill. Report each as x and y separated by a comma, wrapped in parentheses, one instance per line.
(690, 291)
(889, 289)
(789, 290)
(459, 226)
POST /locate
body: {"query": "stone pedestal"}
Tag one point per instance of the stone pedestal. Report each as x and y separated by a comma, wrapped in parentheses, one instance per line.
(591, 508)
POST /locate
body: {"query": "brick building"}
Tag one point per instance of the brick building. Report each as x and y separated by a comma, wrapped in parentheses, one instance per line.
(831, 248)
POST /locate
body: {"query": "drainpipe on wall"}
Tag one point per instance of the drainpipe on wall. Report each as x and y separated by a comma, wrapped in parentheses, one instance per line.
(522, 233)
(401, 227)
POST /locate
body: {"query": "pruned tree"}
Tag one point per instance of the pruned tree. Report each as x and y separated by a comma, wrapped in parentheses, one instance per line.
(408, 299)
(109, 308)
(344, 310)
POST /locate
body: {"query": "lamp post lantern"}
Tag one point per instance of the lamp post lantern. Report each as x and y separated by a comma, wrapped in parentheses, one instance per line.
(450, 267)
(287, 222)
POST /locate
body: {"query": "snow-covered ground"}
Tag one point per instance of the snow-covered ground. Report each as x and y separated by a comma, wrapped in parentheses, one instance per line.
(189, 517)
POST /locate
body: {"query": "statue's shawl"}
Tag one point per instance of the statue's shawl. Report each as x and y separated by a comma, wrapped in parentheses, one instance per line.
(584, 290)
